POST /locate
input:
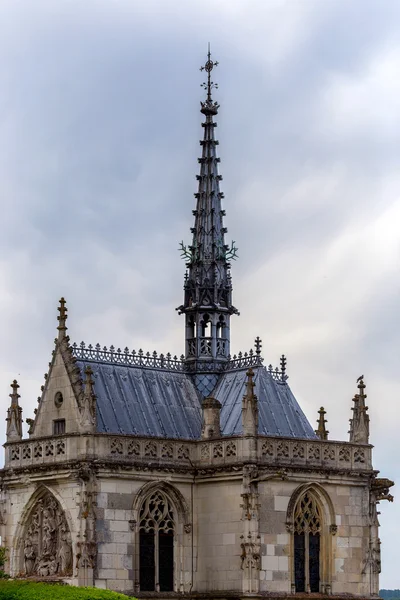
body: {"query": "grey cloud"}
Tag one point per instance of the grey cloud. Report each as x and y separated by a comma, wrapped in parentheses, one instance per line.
(100, 127)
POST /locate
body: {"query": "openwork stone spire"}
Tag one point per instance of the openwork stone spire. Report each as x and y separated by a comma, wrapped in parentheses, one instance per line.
(359, 423)
(14, 415)
(208, 288)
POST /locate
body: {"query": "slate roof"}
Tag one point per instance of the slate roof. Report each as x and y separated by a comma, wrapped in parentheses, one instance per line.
(154, 402)
(145, 402)
(279, 413)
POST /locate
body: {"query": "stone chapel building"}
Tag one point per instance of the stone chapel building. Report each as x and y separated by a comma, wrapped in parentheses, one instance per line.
(193, 476)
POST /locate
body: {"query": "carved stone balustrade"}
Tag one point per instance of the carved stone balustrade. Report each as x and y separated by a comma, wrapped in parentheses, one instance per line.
(282, 452)
(315, 453)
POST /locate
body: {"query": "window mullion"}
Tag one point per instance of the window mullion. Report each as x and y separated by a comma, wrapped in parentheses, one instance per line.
(157, 559)
(307, 560)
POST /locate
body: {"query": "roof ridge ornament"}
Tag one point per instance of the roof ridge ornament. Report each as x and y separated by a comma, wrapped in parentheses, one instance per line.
(283, 362)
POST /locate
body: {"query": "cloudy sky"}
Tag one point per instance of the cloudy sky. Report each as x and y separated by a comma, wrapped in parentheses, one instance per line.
(99, 121)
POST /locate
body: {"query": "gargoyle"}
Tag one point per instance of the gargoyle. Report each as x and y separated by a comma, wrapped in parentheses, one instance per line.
(381, 487)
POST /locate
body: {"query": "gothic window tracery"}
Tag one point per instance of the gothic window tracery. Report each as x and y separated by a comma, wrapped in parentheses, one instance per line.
(156, 544)
(307, 542)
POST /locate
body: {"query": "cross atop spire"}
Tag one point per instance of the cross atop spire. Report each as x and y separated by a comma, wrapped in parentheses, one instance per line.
(209, 107)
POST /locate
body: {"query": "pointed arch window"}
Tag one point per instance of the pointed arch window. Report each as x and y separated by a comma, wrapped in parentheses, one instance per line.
(221, 327)
(156, 544)
(307, 544)
(205, 325)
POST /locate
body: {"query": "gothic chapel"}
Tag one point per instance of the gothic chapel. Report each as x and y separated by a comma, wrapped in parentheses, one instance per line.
(194, 476)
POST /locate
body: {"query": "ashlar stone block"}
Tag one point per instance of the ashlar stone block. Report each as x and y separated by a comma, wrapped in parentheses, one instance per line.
(281, 503)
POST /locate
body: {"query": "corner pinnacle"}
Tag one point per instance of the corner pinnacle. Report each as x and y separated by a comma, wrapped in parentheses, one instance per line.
(14, 416)
(250, 384)
(88, 379)
(322, 432)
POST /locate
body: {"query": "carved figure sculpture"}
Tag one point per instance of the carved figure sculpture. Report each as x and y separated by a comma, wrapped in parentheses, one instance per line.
(29, 556)
(65, 553)
(47, 549)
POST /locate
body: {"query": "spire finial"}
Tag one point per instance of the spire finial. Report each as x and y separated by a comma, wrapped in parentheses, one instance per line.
(322, 432)
(88, 404)
(14, 396)
(361, 386)
(250, 383)
(62, 318)
(208, 67)
(209, 107)
(250, 407)
(14, 415)
(283, 362)
(88, 378)
(359, 423)
(258, 345)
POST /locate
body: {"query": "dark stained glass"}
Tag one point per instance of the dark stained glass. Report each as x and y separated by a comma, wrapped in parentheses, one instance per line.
(314, 541)
(156, 544)
(166, 561)
(147, 565)
(299, 564)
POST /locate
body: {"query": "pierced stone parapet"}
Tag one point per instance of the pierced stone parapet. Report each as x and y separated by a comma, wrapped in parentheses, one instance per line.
(275, 451)
(45, 450)
(219, 451)
(148, 449)
(315, 453)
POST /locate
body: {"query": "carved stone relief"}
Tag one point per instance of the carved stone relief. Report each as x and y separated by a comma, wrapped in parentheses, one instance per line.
(251, 561)
(47, 542)
(86, 547)
(267, 449)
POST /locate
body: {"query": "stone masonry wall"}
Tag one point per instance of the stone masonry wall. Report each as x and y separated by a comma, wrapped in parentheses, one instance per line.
(219, 527)
(118, 532)
(342, 550)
